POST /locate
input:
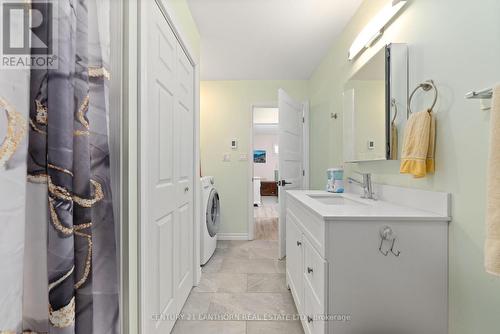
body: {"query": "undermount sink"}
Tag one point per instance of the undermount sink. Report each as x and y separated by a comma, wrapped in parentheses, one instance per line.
(334, 200)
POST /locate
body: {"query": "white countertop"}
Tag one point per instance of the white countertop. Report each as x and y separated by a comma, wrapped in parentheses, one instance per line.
(367, 209)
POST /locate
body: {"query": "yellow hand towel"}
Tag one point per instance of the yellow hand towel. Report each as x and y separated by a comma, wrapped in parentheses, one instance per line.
(430, 162)
(492, 245)
(417, 156)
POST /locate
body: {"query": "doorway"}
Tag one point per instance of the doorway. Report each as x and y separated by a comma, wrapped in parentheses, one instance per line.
(279, 161)
(265, 172)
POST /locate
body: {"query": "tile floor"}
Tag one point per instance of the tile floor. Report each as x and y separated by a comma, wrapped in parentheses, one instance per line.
(242, 278)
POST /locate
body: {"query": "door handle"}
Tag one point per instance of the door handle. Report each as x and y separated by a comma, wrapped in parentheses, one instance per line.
(283, 183)
(309, 270)
(186, 189)
(299, 243)
(309, 319)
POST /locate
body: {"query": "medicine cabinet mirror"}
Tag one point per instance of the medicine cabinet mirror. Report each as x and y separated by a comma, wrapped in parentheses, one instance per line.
(374, 100)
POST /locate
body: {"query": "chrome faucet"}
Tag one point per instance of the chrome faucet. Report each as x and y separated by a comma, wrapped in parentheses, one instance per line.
(366, 185)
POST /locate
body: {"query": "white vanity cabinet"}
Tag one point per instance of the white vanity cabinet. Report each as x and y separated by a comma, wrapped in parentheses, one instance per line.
(343, 283)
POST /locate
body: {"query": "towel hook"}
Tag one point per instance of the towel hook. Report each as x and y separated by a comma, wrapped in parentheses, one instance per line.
(386, 233)
(394, 105)
(426, 86)
(397, 253)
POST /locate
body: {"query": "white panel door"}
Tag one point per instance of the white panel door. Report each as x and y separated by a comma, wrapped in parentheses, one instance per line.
(291, 156)
(167, 201)
(184, 172)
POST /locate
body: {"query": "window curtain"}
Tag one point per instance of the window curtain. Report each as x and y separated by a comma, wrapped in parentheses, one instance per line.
(69, 275)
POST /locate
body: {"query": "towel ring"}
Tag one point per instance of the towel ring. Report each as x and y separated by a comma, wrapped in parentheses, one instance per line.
(394, 105)
(426, 86)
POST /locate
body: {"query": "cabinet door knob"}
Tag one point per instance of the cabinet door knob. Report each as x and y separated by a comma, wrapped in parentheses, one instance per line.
(299, 243)
(309, 319)
(309, 270)
(186, 189)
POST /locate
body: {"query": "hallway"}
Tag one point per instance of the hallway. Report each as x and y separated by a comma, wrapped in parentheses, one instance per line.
(266, 219)
(243, 278)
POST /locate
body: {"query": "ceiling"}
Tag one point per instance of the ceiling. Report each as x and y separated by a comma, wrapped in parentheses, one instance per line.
(267, 39)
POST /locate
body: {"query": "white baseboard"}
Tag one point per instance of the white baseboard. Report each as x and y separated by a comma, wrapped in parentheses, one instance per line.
(232, 236)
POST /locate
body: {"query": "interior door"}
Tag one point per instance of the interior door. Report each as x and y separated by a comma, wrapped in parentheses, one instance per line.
(167, 204)
(184, 176)
(291, 157)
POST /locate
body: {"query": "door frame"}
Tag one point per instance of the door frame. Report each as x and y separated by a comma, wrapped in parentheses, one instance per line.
(305, 145)
(251, 230)
(305, 179)
(193, 58)
(118, 163)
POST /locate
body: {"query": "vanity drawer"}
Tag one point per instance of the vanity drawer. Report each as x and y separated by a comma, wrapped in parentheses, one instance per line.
(315, 271)
(312, 225)
(314, 312)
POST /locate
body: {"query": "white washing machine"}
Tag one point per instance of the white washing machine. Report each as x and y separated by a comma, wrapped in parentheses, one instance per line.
(210, 218)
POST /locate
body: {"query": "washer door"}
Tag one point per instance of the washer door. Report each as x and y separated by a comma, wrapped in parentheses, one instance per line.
(213, 213)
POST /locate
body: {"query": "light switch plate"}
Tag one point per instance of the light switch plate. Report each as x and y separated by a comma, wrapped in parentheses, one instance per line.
(234, 143)
(226, 157)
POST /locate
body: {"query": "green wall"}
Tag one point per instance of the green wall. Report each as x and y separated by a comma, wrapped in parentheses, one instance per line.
(455, 43)
(181, 14)
(226, 113)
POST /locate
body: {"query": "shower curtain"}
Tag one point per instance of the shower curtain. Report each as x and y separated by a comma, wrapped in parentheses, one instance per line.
(70, 279)
(13, 149)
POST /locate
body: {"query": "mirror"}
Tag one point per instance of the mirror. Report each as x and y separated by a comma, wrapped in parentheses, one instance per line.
(374, 105)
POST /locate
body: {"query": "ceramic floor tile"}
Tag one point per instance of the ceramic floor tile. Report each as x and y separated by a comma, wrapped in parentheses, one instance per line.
(236, 253)
(261, 244)
(281, 265)
(197, 303)
(221, 282)
(214, 264)
(267, 283)
(255, 266)
(209, 327)
(239, 244)
(263, 253)
(212, 267)
(243, 278)
(259, 304)
(219, 254)
(274, 327)
(248, 244)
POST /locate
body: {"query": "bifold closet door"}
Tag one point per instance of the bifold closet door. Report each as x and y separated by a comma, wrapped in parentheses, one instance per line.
(168, 160)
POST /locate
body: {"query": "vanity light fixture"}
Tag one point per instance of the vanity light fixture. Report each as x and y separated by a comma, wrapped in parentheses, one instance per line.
(374, 29)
